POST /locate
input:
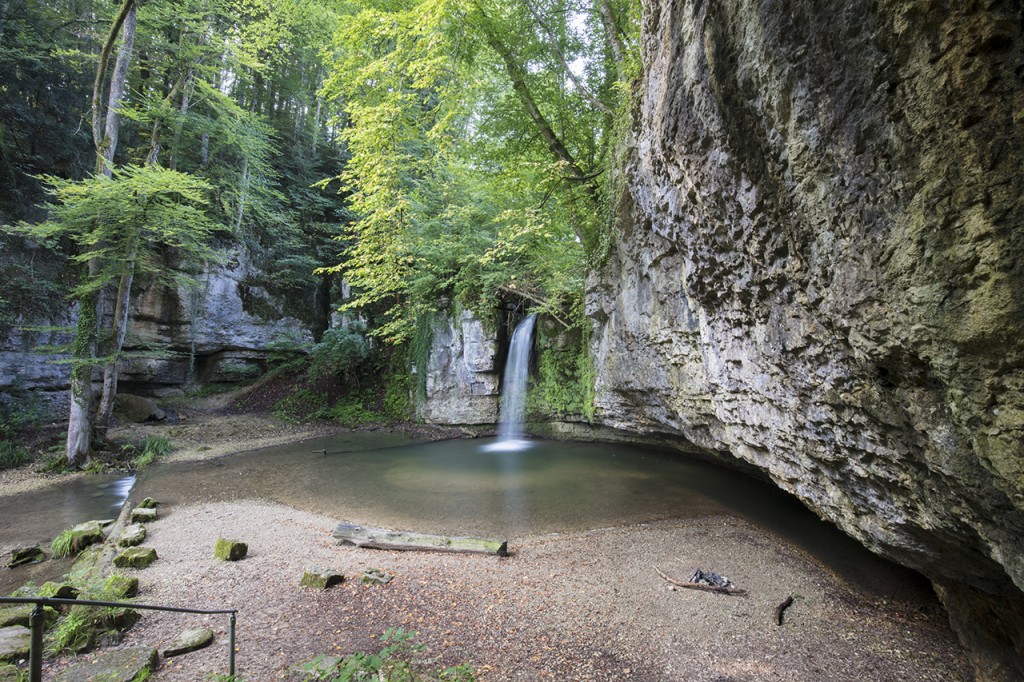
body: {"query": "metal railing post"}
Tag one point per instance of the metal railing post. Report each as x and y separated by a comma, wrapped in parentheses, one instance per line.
(231, 647)
(35, 652)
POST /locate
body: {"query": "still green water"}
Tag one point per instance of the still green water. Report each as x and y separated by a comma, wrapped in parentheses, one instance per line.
(460, 487)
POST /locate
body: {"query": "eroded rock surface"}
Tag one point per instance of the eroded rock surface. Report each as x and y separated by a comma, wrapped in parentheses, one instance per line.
(462, 379)
(819, 271)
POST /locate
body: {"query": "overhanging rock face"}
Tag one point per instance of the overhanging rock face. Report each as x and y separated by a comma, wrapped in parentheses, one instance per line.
(819, 270)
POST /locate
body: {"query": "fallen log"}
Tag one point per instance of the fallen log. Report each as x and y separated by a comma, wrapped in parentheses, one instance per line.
(781, 609)
(379, 538)
(698, 586)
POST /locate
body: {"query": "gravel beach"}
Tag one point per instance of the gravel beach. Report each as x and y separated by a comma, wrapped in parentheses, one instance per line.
(582, 606)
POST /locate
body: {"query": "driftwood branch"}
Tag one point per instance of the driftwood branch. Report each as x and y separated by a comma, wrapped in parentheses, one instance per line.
(781, 609)
(697, 586)
(379, 538)
(536, 299)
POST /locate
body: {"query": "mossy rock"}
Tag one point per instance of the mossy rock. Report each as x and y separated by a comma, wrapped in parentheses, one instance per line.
(74, 540)
(26, 555)
(321, 578)
(132, 535)
(143, 514)
(17, 614)
(135, 557)
(148, 503)
(120, 665)
(118, 587)
(230, 550)
(54, 590)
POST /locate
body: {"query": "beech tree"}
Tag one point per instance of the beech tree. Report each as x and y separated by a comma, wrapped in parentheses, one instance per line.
(479, 132)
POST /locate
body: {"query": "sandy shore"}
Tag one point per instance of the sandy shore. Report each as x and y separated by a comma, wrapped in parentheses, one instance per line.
(579, 606)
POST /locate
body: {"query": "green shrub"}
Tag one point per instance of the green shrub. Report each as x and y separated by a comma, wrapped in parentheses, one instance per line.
(13, 455)
(398, 661)
(341, 352)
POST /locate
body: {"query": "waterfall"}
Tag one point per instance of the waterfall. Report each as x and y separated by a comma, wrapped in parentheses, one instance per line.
(513, 395)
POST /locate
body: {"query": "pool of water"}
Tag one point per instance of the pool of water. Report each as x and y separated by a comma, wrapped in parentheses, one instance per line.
(461, 487)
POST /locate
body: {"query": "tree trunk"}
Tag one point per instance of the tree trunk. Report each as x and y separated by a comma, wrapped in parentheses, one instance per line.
(83, 351)
(93, 307)
(378, 538)
(110, 370)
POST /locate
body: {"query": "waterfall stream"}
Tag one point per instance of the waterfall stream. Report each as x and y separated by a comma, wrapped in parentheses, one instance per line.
(513, 395)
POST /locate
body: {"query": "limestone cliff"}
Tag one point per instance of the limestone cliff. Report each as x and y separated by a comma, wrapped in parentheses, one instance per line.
(819, 271)
(219, 328)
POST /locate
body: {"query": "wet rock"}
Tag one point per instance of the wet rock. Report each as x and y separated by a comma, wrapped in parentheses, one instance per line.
(321, 578)
(133, 534)
(230, 550)
(15, 641)
(120, 665)
(190, 640)
(135, 557)
(26, 555)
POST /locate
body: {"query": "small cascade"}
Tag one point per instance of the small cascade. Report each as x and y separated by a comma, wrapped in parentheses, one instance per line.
(513, 397)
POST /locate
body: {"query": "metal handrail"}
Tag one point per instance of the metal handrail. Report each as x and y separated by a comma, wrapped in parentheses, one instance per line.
(36, 618)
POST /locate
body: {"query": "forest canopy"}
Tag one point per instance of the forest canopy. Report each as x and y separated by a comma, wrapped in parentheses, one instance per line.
(427, 153)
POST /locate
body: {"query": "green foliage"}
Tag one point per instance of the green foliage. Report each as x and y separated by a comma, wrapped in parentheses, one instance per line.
(398, 661)
(13, 455)
(128, 221)
(564, 386)
(301, 405)
(62, 545)
(80, 627)
(341, 352)
(151, 449)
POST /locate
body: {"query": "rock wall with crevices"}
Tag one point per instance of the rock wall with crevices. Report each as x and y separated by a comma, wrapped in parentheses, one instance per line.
(819, 271)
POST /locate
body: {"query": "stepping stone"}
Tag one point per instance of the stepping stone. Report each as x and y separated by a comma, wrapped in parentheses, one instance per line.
(26, 555)
(143, 514)
(119, 665)
(188, 641)
(135, 557)
(230, 550)
(375, 576)
(15, 641)
(321, 578)
(132, 535)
